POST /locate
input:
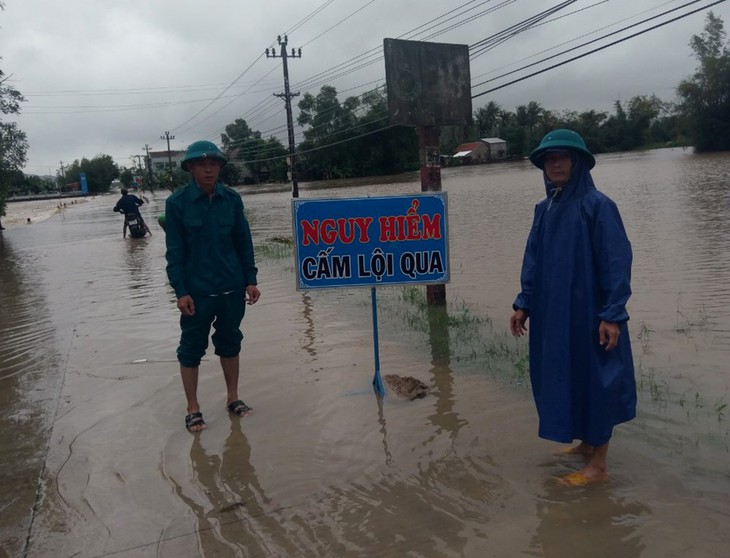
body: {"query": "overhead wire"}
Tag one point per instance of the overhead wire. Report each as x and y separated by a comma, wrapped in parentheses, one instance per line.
(603, 47)
(571, 40)
(588, 42)
(302, 22)
(375, 54)
(577, 57)
(479, 48)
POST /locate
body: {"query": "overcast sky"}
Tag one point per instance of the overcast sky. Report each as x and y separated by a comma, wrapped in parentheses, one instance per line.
(111, 76)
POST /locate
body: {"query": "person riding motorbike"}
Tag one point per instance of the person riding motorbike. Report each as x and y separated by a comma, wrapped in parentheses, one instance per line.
(128, 205)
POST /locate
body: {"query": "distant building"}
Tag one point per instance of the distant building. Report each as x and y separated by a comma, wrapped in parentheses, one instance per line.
(482, 151)
(244, 173)
(473, 152)
(159, 160)
(497, 148)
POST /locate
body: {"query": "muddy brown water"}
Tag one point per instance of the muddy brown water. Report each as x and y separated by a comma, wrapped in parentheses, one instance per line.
(96, 462)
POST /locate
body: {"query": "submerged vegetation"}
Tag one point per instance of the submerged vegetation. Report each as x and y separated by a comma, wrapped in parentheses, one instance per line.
(275, 248)
(456, 332)
(461, 333)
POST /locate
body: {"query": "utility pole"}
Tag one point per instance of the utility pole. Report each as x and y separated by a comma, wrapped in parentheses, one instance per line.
(168, 137)
(63, 176)
(148, 164)
(287, 96)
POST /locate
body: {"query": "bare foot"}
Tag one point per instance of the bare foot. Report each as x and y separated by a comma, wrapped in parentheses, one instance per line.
(581, 449)
(583, 478)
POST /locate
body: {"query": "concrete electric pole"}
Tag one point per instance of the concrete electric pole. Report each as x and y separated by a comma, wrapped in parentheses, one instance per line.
(148, 165)
(168, 137)
(287, 96)
(63, 177)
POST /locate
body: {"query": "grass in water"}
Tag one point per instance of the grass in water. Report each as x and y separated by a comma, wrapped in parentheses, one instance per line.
(468, 336)
(275, 248)
(471, 339)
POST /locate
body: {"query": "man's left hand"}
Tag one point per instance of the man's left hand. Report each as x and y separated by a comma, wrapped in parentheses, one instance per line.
(252, 294)
(608, 333)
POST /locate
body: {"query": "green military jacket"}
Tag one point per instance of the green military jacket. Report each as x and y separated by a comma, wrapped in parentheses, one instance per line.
(209, 246)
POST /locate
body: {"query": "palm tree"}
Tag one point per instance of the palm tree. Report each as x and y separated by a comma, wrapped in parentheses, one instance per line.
(486, 119)
(534, 112)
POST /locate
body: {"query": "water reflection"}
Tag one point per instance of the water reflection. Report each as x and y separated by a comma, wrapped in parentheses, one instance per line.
(439, 506)
(442, 376)
(389, 461)
(592, 522)
(138, 267)
(237, 515)
(308, 332)
(30, 378)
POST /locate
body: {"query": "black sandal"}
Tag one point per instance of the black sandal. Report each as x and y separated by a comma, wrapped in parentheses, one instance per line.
(194, 419)
(239, 408)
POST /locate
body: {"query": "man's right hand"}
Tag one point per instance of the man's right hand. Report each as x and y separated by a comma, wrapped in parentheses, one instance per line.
(186, 305)
(517, 323)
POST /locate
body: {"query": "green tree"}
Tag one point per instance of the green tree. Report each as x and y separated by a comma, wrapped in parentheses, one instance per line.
(33, 184)
(485, 119)
(126, 177)
(264, 158)
(173, 178)
(505, 119)
(100, 171)
(705, 98)
(230, 174)
(588, 125)
(643, 110)
(13, 141)
(613, 132)
(533, 114)
(352, 138)
(516, 138)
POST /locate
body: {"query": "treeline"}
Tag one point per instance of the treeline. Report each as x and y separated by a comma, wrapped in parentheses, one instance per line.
(700, 117)
(352, 138)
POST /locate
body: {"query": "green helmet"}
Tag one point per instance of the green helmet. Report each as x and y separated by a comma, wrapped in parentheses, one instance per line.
(200, 150)
(561, 139)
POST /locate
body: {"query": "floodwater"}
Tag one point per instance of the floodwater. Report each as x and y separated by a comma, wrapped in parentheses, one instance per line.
(96, 461)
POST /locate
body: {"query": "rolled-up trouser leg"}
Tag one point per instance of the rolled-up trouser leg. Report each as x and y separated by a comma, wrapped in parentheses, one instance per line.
(227, 336)
(195, 331)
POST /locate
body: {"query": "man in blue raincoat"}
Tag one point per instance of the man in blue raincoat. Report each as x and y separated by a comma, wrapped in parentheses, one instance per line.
(575, 279)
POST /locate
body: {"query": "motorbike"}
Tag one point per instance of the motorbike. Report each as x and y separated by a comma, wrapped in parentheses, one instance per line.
(136, 226)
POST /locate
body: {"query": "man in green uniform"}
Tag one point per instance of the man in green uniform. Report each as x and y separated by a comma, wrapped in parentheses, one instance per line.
(211, 267)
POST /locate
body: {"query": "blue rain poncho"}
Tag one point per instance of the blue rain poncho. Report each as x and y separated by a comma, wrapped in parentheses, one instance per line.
(576, 272)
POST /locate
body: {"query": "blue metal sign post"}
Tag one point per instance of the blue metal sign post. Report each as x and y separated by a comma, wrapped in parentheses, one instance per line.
(377, 380)
(84, 184)
(368, 242)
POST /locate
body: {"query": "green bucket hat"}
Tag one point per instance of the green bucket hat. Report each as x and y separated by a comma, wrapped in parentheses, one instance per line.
(200, 150)
(561, 139)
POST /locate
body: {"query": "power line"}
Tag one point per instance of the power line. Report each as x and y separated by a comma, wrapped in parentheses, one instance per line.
(596, 49)
(571, 40)
(588, 43)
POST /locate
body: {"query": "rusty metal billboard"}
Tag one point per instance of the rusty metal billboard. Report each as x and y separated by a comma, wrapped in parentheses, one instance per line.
(429, 84)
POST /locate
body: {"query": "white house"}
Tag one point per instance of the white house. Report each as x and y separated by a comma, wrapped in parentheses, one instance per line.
(497, 148)
(159, 160)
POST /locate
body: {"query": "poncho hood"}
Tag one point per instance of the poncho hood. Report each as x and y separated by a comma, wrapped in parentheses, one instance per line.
(580, 183)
